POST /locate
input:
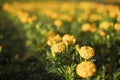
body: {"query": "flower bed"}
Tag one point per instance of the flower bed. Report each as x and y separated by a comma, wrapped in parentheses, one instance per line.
(74, 40)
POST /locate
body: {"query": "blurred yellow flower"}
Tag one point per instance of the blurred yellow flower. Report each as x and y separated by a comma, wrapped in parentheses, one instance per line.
(51, 42)
(55, 39)
(32, 18)
(54, 15)
(93, 28)
(117, 26)
(85, 69)
(86, 52)
(58, 23)
(112, 14)
(69, 39)
(24, 17)
(94, 17)
(58, 48)
(86, 27)
(105, 25)
(50, 34)
(102, 33)
(85, 16)
(66, 17)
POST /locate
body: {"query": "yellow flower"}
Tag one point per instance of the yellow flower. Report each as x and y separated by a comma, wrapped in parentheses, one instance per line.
(58, 48)
(84, 16)
(93, 28)
(69, 39)
(32, 18)
(65, 17)
(94, 17)
(105, 25)
(58, 23)
(86, 27)
(86, 69)
(117, 26)
(51, 42)
(50, 34)
(58, 38)
(54, 15)
(112, 14)
(102, 33)
(86, 52)
(54, 40)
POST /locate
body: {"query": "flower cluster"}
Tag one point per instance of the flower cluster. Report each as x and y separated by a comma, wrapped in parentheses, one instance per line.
(58, 44)
(85, 69)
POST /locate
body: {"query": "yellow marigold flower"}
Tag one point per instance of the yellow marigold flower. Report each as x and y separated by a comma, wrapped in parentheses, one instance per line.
(58, 23)
(51, 42)
(86, 27)
(117, 26)
(58, 38)
(65, 17)
(112, 14)
(50, 34)
(54, 15)
(32, 18)
(93, 28)
(54, 40)
(23, 16)
(69, 39)
(94, 17)
(86, 69)
(105, 25)
(102, 33)
(84, 16)
(58, 48)
(86, 52)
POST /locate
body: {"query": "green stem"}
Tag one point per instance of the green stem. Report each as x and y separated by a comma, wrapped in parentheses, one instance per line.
(66, 48)
(88, 78)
